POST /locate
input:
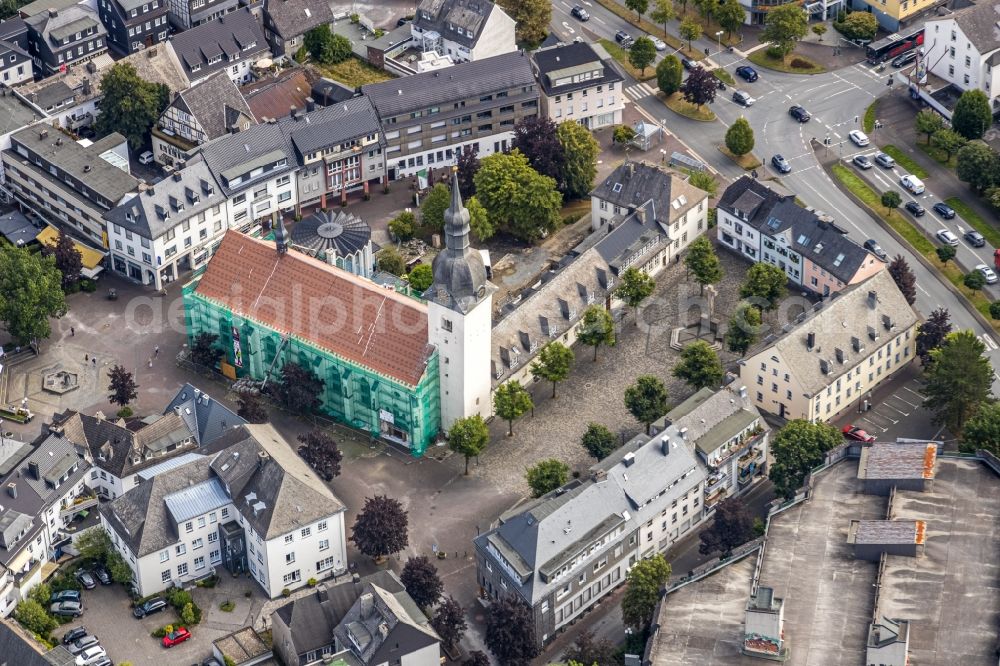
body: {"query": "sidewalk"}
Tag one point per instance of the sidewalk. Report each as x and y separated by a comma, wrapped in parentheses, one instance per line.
(896, 112)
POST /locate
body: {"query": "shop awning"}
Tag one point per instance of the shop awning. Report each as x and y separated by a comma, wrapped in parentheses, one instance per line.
(91, 258)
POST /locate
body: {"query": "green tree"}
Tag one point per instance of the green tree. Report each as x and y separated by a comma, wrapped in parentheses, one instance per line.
(468, 437)
(744, 329)
(732, 527)
(858, 26)
(531, 18)
(646, 399)
(639, 7)
(553, 363)
(958, 380)
(730, 16)
(690, 30)
(704, 180)
(421, 277)
(785, 25)
(642, 591)
(663, 12)
(642, 53)
(381, 528)
(904, 278)
(972, 115)
(739, 137)
(298, 389)
(390, 260)
(634, 286)
(129, 105)
(203, 349)
(948, 141)
(68, 259)
(596, 328)
(702, 261)
(946, 253)
(118, 568)
(326, 47)
(518, 199)
(705, 8)
(30, 293)
(580, 151)
(995, 310)
(974, 280)
(35, 618)
(932, 333)
(599, 441)
(546, 476)
(699, 366)
(510, 631)
(978, 166)
(122, 386)
(622, 134)
(819, 30)
(982, 431)
(402, 226)
(928, 121)
(510, 402)
(479, 219)
(41, 593)
(765, 285)
(669, 75)
(93, 545)
(798, 447)
(433, 206)
(891, 199)
(993, 198)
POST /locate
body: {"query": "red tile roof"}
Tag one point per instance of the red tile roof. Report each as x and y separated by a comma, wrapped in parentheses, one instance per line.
(272, 98)
(328, 307)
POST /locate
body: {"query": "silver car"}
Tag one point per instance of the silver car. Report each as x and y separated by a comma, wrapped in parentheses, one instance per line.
(947, 237)
(991, 277)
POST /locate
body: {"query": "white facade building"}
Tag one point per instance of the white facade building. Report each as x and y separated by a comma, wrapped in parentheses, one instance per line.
(465, 30)
(576, 84)
(964, 49)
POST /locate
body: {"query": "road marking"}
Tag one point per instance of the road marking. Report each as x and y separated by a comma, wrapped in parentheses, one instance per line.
(599, 20)
(639, 91)
(566, 25)
(990, 343)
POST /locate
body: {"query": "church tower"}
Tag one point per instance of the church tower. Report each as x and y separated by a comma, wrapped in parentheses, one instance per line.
(459, 318)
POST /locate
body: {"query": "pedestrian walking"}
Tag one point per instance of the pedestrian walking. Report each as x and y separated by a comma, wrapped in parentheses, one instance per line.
(72, 332)
(156, 351)
(86, 358)
(151, 363)
(93, 360)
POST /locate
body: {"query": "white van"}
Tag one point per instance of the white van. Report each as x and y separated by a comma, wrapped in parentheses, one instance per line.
(912, 184)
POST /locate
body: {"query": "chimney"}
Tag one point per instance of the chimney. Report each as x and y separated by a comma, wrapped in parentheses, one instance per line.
(86, 168)
(310, 104)
(34, 470)
(743, 391)
(631, 168)
(177, 177)
(887, 322)
(367, 604)
(810, 340)
(629, 459)
(840, 354)
(683, 433)
(641, 214)
(872, 299)
(12, 489)
(824, 365)
(665, 446)
(872, 333)
(44, 133)
(599, 475)
(53, 12)
(262, 458)
(855, 343)
(179, 164)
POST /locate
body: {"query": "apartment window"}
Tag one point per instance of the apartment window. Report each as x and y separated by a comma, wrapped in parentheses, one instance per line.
(324, 544)
(213, 537)
(290, 558)
(289, 538)
(293, 577)
(182, 569)
(189, 526)
(225, 513)
(324, 564)
(215, 557)
(180, 550)
(164, 555)
(197, 544)
(199, 563)
(321, 526)
(201, 521)
(306, 531)
(165, 576)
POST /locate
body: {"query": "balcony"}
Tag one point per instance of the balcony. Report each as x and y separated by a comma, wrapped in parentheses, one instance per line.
(76, 505)
(712, 496)
(738, 446)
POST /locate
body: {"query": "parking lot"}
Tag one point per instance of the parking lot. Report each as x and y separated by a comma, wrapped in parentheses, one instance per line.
(108, 615)
(895, 410)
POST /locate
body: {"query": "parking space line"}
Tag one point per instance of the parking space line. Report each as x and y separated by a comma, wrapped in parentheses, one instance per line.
(894, 408)
(894, 421)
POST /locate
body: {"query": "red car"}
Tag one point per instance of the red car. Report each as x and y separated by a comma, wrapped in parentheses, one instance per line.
(178, 635)
(855, 433)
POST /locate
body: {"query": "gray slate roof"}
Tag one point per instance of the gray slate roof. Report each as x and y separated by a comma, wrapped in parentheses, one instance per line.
(216, 103)
(461, 81)
(296, 17)
(979, 23)
(332, 125)
(208, 417)
(632, 184)
(234, 153)
(154, 212)
(18, 649)
(710, 418)
(469, 15)
(229, 35)
(66, 23)
(571, 56)
(16, 228)
(382, 626)
(41, 6)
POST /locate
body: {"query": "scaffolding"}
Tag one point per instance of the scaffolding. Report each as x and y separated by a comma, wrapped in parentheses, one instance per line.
(355, 395)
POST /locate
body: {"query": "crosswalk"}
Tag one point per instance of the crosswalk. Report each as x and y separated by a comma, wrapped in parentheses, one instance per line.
(991, 344)
(639, 91)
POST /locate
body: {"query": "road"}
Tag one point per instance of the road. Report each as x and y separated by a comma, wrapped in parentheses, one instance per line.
(837, 101)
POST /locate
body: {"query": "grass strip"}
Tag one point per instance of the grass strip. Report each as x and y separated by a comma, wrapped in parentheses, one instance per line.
(724, 76)
(989, 232)
(745, 162)
(621, 55)
(869, 122)
(937, 155)
(806, 65)
(681, 106)
(650, 28)
(905, 161)
(354, 72)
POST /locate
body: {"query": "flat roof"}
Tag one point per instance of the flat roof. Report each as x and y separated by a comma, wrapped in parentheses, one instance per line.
(950, 594)
(880, 532)
(898, 460)
(14, 113)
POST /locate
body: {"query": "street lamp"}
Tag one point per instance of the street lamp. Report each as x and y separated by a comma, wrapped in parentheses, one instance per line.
(663, 156)
(718, 37)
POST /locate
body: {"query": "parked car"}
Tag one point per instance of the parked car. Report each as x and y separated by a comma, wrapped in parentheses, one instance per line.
(781, 164)
(743, 98)
(580, 13)
(146, 158)
(402, 21)
(799, 113)
(154, 605)
(884, 160)
(102, 575)
(913, 184)
(975, 238)
(623, 38)
(905, 59)
(91, 656)
(947, 237)
(944, 210)
(872, 246)
(688, 64)
(211, 661)
(988, 273)
(103, 661)
(857, 434)
(81, 644)
(178, 635)
(65, 595)
(658, 43)
(86, 579)
(73, 635)
(66, 608)
(859, 138)
(915, 208)
(747, 73)
(862, 162)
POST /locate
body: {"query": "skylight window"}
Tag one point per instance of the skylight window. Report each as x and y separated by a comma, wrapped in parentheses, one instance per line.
(617, 187)
(840, 258)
